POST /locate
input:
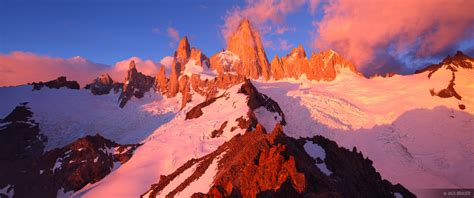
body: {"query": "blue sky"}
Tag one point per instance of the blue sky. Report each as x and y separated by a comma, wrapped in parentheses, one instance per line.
(400, 39)
(106, 32)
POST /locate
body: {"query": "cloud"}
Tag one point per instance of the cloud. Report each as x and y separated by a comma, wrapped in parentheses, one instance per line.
(313, 5)
(264, 14)
(284, 29)
(148, 67)
(373, 32)
(22, 67)
(284, 44)
(19, 68)
(173, 34)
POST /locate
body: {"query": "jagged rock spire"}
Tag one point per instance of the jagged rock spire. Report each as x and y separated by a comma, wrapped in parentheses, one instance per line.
(247, 44)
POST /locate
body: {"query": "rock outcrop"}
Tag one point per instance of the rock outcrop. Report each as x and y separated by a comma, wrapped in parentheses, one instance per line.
(135, 84)
(161, 81)
(182, 54)
(199, 58)
(225, 61)
(247, 44)
(56, 84)
(256, 100)
(258, 164)
(278, 72)
(294, 62)
(103, 84)
(326, 65)
(173, 85)
(29, 171)
(452, 64)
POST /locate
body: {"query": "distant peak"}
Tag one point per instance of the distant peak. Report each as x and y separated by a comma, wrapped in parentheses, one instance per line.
(299, 51)
(244, 23)
(184, 41)
(132, 64)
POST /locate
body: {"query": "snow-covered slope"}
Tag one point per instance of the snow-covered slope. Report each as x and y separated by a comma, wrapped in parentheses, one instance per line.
(173, 144)
(394, 121)
(65, 115)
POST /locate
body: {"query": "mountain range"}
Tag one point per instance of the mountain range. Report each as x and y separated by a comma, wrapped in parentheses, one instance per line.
(238, 125)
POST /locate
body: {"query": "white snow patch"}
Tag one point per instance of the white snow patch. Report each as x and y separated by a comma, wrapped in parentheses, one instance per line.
(204, 72)
(8, 190)
(316, 151)
(398, 195)
(62, 194)
(267, 118)
(57, 164)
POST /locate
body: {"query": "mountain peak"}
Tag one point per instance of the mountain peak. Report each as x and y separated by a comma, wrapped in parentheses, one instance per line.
(245, 23)
(298, 51)
(245, 41)
(183, 51)
(131, 65)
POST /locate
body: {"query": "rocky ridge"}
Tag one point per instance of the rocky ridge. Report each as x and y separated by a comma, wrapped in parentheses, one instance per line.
(27, 170)
(452, 64)
(56, 84)
(258, 164)
(103, 85)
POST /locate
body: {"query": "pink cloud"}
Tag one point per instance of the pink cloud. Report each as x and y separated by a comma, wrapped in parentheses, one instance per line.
(365, 31)
(173, 34)
(148, 67)
(284, 44)
(264, 14)
(313, 5)
(284, 29)
(19, 68)
(22, 67)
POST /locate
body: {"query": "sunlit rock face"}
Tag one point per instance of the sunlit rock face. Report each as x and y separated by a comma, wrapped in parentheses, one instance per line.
(294, 62)
(277, 68)
(161, 81)
(135, 84)
(103, 84)
(326, 65)
(247, 44)
(182, 54)
(199, 57)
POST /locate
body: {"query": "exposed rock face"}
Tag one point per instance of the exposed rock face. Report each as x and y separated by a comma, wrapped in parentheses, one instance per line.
(278, 72)
(453, 64)
(182, 54)
(209, 88)
(173, 85)
(103, 84)
(196, 111)
(199, 58)
(294, 62)
(326, 65)
(135, 84)
(257, 164)
(247, 44)
(31, 173)
(185, 89)
(225, 61)
(20, 136)
(56, 84)
(256, 100)
(161, 81)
